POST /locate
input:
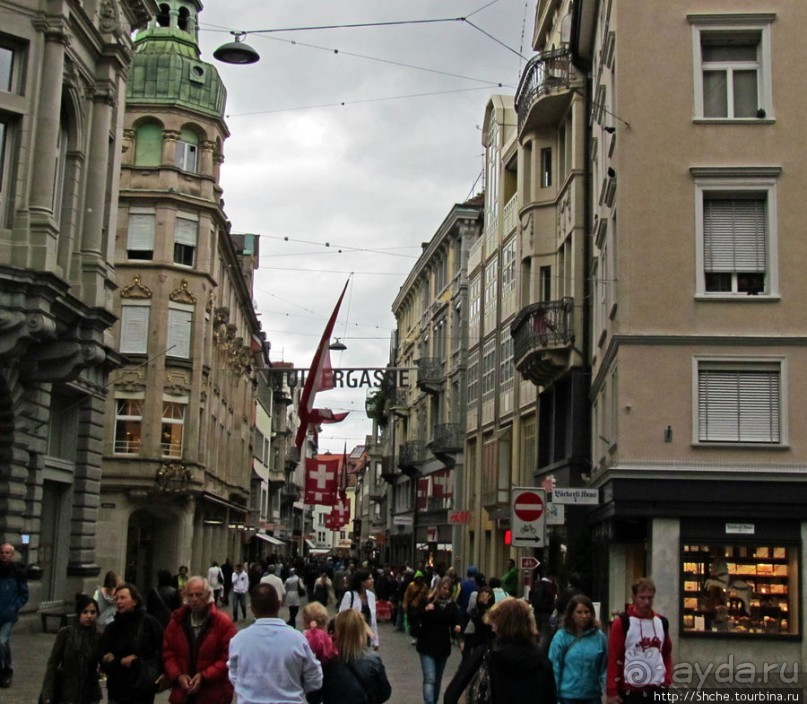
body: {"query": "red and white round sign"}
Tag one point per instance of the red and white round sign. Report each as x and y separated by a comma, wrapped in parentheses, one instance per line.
(528, 507)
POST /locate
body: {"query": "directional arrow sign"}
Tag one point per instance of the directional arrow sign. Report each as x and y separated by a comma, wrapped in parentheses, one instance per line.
(529, 563)
(528, 521)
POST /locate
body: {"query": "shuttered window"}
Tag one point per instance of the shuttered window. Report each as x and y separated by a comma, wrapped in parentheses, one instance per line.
(179, 332)
(185, 235)
(134, 329)
(740, 404)
(140, 242)
(735, 244)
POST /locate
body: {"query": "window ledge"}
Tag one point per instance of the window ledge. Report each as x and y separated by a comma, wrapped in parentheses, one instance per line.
(737, 298)
(734, 120)
(740, 445)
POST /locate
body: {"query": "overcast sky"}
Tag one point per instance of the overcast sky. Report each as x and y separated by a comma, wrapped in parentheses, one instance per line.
(361, 139)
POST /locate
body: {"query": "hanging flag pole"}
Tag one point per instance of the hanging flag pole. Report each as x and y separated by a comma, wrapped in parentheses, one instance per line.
(320, 377)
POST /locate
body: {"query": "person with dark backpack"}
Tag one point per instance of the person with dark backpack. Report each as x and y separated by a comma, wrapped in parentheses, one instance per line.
(639, 650)
(543, 594)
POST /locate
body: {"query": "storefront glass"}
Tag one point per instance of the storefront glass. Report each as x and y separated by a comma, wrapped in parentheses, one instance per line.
(740, 589)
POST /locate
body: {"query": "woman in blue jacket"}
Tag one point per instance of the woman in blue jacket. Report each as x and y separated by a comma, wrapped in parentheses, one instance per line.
(579, 654)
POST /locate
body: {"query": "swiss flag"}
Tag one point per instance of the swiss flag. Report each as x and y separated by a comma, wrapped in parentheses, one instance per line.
(441, 486)
(321, 478)
(340, 514)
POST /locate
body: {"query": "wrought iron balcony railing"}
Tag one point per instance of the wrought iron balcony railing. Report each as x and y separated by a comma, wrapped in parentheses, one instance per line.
(545, 72)
(430, 373)
(410, 454)
(448, 439)
(539, 329)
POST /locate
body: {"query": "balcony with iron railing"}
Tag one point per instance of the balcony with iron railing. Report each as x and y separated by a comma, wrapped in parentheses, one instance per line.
(543, 337)
(389, 473)
(410, 456)
(290, 493)
(431, 374)
(398, 402)
(448, 440)
(545, 89)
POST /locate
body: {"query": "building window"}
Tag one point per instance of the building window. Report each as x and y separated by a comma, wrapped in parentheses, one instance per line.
(740, 402)
(492, 158)
(489, 369)
(742, 589)
(134, 329)
(474, 301)
(509, 267)
(187, 150)
(148, 144)
(180, 322)
(545, 283)
(185, 236)
(473, 379)
(173, 426)
(7, 162)
(491, 281)
(737, 232)
(6, 68)
(732, 66)
(128, 425)
(506, 368)
(546, 167)
(140, 238)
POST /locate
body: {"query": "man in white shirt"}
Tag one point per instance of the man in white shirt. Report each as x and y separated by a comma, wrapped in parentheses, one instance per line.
(215, 579)
(271, 663)
(240, 589)
(271, 578)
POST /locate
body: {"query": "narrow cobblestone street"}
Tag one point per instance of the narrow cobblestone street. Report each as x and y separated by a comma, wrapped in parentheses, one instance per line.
(31, 650)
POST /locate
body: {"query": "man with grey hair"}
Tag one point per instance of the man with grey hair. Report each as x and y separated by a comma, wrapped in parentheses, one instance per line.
(13, 596)
(271, 578)
(195, 646)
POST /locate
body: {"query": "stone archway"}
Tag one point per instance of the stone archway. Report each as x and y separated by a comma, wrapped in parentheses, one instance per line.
(151, 544)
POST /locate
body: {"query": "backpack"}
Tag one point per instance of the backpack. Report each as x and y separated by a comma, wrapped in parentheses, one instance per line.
(543, 595)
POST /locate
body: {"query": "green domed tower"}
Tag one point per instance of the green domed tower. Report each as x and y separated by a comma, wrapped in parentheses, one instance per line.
(166, 68)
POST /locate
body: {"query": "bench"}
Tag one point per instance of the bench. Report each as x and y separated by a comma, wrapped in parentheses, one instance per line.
(63, 614)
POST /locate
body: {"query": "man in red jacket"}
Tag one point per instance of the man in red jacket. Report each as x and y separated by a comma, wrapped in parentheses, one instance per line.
(639, 650)
(195, 648)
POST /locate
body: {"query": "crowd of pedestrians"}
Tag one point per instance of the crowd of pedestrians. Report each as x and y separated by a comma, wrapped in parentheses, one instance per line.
(182, 637)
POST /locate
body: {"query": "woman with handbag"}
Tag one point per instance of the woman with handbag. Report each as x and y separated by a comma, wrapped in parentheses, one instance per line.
(510, 668)
(579, 654)
(294, 591)
(357, 675)
(130, 650)
(71, 676)
(439, 619)
(361, 598)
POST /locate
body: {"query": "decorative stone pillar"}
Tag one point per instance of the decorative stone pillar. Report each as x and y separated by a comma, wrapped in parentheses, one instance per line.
(49, 112)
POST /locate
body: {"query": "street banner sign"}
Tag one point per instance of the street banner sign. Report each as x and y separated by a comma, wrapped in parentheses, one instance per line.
(528, 517)
(564, 495)
(529, 563)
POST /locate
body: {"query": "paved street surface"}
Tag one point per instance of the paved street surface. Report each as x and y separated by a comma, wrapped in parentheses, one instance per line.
(30, 653)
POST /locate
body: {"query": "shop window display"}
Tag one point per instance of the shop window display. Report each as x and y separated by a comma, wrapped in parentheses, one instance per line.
(740, 589)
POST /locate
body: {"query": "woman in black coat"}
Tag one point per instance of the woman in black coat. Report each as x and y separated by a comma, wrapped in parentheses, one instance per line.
(72, 671)
(439, 619)
(130, 648)
(514, 662)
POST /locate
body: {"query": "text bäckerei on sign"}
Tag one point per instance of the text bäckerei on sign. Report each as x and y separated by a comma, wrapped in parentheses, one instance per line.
(353, 377)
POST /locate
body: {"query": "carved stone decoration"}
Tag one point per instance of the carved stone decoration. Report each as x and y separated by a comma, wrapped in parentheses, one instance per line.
(177, 389)
(135, 289)
(182, 294)
(209, 304)
(108, 20)
(130, 380)
(173, 477)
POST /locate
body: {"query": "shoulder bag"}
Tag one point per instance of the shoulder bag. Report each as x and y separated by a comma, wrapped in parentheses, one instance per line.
(479, 689)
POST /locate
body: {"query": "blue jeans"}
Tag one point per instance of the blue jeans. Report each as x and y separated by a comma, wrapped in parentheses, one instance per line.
(5, 649)
(239, 598)
(432, 677)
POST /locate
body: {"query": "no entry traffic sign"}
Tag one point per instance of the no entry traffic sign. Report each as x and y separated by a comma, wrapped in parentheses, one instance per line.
(528, 517)
(528, 506)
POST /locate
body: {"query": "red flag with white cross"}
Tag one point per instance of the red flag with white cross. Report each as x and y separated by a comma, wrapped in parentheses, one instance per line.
(321, 480)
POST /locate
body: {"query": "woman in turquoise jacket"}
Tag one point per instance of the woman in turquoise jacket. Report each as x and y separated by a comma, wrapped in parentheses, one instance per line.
(579, 654)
